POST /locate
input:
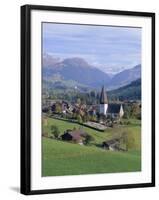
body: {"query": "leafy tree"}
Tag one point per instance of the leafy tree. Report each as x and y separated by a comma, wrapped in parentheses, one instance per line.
(55, 131)
(74, 116)
(93, 94)
(50, 112)
(45, 134)
(74, 128)
(84, 118)
(79, 101)
(82, 113)
(79, 119)
(127, 111)
(128, 140)
(97, 98)
(88, 139)
(58, 108)
(93, 118)
(83, 100)
(136, 110)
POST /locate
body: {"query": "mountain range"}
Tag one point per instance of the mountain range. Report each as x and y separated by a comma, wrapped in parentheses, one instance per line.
(76, 72)
(125, 77)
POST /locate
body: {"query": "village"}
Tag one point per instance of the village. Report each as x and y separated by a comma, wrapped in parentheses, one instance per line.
(99, 117)
(91, 100)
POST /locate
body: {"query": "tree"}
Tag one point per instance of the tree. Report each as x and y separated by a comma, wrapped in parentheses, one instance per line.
(58, 108)
(45, 134)
(93, 118)
(50, 112)
(127, 111)
(88, 139)
(136, 110)
(79, 119)
(55, 131)
(128, 140)
(93, 94)
(74, 128)
(74, 115)
(84, 118)
(97, 98)
(78, 101)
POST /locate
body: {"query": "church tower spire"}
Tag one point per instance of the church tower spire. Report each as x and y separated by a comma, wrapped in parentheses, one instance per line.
(103, 102)
(103, 96)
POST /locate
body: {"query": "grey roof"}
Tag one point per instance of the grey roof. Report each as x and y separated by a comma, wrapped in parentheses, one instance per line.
(103, 97)
(112, 141)
(113, 108)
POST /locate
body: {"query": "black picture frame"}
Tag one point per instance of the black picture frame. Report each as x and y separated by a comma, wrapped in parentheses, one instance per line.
(26, 98)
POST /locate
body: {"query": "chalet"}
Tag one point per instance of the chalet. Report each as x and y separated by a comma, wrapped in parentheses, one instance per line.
(62, 104)
(79, 109)
(111, 145)
(45, 109)
(114, 110)
(92, 110)
(76, 136)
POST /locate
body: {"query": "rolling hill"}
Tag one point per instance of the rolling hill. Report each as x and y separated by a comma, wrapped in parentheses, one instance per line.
(64, 158)
(125, 77)
(131, 91)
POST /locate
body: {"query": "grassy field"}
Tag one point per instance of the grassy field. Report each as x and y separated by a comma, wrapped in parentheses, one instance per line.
(98, 136)
(63, 158)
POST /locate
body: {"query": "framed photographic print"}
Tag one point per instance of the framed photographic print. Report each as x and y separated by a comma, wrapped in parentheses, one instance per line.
(87, 99)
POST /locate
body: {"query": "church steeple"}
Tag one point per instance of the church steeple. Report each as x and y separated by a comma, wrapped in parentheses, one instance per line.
(103, 97)
(103, 102)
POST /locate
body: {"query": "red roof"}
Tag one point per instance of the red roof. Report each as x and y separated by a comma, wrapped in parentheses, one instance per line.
(77, 134)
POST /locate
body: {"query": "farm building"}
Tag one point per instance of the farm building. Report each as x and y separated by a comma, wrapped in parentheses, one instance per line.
(111, 145)
(76, 136)
(63, 106)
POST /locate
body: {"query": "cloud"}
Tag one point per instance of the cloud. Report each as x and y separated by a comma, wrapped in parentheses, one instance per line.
(108, 47)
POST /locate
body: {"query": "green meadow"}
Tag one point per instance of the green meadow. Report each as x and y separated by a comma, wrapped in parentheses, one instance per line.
(64, 158)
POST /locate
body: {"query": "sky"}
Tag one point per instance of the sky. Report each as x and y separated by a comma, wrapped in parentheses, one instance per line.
(109, 48)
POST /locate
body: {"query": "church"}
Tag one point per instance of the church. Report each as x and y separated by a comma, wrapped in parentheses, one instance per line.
(114, 110)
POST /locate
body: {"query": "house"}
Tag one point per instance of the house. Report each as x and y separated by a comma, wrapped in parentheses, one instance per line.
(92, 110)
(111, 145)
(76, 136)
(114, 110)
(62, 105)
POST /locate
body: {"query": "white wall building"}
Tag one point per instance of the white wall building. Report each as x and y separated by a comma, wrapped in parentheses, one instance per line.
(103, 102)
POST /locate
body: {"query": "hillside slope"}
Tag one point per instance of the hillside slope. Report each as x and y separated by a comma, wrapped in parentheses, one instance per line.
(125, 77)
(131, 91)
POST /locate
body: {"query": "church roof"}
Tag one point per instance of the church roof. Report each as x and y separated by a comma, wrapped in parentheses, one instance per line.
(113, 108)
(103, 97)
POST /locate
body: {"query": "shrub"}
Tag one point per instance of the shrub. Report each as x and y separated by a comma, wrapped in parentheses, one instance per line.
(128, 140)
(88, 139)
(45, 134)
(79, 119)
(55, 131)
